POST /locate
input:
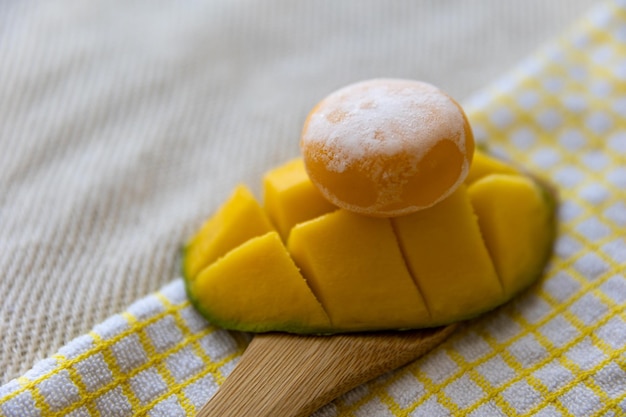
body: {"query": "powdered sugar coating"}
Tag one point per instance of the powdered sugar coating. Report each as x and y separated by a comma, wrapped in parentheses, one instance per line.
(383, 117)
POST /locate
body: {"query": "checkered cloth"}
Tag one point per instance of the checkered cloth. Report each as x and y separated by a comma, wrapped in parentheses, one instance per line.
(559, 349)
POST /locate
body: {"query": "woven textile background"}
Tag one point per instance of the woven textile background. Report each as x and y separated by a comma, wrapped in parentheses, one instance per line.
(559, 349)
(123, 124)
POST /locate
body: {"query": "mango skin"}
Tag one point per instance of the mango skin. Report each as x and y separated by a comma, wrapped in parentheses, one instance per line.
(481, 189)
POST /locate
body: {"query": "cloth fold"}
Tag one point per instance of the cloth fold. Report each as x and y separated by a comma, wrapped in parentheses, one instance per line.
(559, 349)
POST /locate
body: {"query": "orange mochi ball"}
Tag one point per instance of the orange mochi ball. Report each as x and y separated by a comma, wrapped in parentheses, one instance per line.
(387, 147)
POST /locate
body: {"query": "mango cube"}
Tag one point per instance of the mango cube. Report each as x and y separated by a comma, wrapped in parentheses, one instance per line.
(517, 227)
(291, 198)
(448, 258)
(354, 266)
(483, 165)
(237, 220)
(267, 286)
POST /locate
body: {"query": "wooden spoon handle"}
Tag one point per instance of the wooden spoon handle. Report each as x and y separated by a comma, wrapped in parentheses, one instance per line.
(292, 376)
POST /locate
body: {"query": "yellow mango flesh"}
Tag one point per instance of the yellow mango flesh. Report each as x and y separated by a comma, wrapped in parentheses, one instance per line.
(454, 260)
(238, 220)
(483, 165)
(445, 253)
(291, 198)
(355, 268)
(257, 287)
(516, 218)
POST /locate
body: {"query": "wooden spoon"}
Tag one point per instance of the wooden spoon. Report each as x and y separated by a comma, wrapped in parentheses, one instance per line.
(292, 376)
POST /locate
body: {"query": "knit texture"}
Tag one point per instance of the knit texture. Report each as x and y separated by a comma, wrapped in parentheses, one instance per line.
(124, 123)
(110, 211)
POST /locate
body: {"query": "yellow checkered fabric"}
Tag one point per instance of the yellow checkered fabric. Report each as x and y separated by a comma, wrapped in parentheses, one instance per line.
(557, 350)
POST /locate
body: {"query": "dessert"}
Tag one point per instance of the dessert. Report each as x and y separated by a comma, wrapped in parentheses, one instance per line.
(387, 147)
(302, 263)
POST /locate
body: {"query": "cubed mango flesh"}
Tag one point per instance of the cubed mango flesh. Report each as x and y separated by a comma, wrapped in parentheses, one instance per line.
(257, 287)
(355, 268)
(446, 255)
(237, 220)
(516, 217)
(291, 198)
(342, 272)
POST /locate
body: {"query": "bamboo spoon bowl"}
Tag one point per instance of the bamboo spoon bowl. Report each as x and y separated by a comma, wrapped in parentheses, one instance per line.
(292, 376)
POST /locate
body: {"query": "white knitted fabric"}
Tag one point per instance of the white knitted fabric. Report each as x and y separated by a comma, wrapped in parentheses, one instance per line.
(123, 124)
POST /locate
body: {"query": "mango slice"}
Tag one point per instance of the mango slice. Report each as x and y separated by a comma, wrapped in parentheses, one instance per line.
(355, 268)
(445, 253)
(516, 217)
(238, 220)
(291, 198)
(256, 287)
(328, 270)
